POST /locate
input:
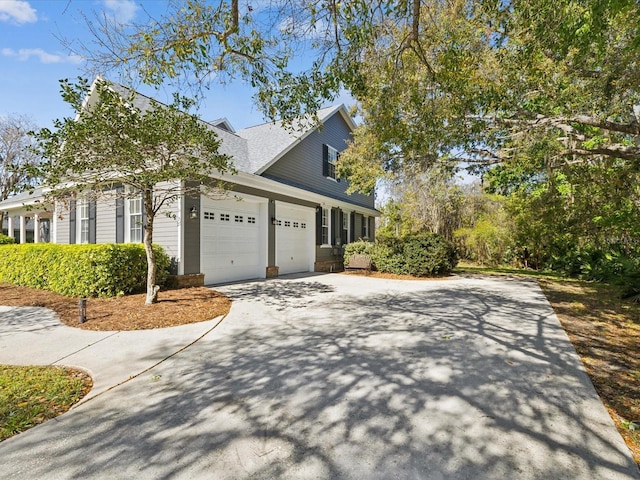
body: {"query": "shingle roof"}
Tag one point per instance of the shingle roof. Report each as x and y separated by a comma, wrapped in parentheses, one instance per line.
(254, 149)
(23, 198)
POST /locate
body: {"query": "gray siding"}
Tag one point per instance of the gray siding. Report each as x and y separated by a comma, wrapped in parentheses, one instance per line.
(357, 234)
(191, 247)
(105, 221)
(62, 225)
(302, 165)
(166, 231)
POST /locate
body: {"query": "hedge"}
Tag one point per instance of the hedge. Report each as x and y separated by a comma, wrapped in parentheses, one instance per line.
(6, 240)
(104, 270)
(420, 254)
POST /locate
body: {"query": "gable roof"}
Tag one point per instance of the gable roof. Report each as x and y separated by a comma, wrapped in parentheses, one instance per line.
(231, 144)
(269, 142)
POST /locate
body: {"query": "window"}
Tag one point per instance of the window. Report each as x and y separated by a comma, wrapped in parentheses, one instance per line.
(287, 223)
(251, 219)
(332, 161)
(135, 219)
(345, 227)
(365, 227)
(239, 219)
(209, 216)
(296, 224)
(83, 220)
(224, 217)
(325, 226)
(303, 225)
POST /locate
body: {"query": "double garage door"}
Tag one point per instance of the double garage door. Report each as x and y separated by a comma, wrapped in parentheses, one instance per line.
(233, 239)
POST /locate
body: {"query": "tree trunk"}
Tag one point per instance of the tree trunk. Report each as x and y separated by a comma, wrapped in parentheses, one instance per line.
(152, 288)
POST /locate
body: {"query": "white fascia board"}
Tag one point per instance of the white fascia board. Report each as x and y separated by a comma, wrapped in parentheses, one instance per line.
(262, 183)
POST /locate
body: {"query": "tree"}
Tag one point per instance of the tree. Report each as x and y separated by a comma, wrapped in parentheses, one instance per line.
(436, 81)
(16, 156)
(158, 152)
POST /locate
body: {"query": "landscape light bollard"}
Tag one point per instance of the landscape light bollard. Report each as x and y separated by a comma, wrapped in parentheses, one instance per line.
(82, 310)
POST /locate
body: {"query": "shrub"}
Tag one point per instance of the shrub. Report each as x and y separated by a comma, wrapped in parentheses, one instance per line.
(356, 248)
(6, 240)
(420, 254)
(104, 270)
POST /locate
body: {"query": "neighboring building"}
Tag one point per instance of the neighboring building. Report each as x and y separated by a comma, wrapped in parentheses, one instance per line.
(286, 210)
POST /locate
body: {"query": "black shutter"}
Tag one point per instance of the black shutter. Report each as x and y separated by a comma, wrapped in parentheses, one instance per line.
(337, 162)
(92, 221)
(334, 220)
(352, 227)
(318, 225)
(372, 228)
(325, 160)
(119, 215)
(72, 221)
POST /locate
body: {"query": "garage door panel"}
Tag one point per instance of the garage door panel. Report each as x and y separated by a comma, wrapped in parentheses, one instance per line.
(294, 238)
(230, 241)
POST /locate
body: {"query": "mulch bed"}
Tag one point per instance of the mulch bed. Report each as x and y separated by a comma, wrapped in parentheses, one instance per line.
(174, 307)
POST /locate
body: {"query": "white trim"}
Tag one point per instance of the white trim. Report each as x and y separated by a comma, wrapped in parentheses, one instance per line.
(255, 181)
(346, 220)
(81, 203)
(322, 226)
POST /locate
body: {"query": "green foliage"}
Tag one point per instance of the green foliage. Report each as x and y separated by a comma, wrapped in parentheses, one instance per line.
(421, 254)
(487, 243)
(157, 152)
(104, 270)
(30, 395)
(356, 248)
(6, 240)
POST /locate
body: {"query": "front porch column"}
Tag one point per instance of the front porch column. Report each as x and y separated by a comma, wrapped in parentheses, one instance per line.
(36, 228)
(10, 226)
(23, 229)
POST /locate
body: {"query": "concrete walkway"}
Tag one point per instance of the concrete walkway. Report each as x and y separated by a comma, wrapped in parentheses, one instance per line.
(324, 377)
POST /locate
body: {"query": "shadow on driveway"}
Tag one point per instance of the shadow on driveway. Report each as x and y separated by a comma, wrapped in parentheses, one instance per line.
(468, 379)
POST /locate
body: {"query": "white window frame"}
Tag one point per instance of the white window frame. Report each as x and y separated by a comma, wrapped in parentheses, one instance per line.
(133, 220)
(82, 220)
(332, 163)
(365, 227)
(326, 227)
(346, 225)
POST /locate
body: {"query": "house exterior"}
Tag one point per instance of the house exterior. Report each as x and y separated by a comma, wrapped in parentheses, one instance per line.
(285, 210)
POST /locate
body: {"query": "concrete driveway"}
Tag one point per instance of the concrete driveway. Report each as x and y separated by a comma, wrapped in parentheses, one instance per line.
(333, 376)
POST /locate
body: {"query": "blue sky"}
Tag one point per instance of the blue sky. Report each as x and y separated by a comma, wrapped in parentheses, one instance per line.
(33, 59)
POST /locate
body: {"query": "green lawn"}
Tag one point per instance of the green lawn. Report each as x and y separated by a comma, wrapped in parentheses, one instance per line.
(32, 395)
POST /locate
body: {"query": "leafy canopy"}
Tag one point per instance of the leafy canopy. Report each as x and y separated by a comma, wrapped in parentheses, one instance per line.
(119, 137)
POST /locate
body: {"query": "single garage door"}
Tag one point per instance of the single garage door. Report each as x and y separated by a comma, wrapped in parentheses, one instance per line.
(295, 240)
(230, 240)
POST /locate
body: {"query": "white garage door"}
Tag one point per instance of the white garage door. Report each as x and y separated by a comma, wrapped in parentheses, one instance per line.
(230, 240)
(295, 239)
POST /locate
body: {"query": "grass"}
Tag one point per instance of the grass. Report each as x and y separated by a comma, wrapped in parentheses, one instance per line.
(32, 395)
(605, 331)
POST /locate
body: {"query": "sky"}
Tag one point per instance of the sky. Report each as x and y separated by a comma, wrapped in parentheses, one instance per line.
(33, 59)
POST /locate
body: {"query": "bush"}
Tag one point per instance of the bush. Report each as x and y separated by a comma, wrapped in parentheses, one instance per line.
(420, 254)
(357, 248)
(6, 240)
(104, 270)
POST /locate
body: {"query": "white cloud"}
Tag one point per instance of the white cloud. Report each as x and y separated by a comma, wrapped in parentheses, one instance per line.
(17, 11)
(123, 11)
(25, 54)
